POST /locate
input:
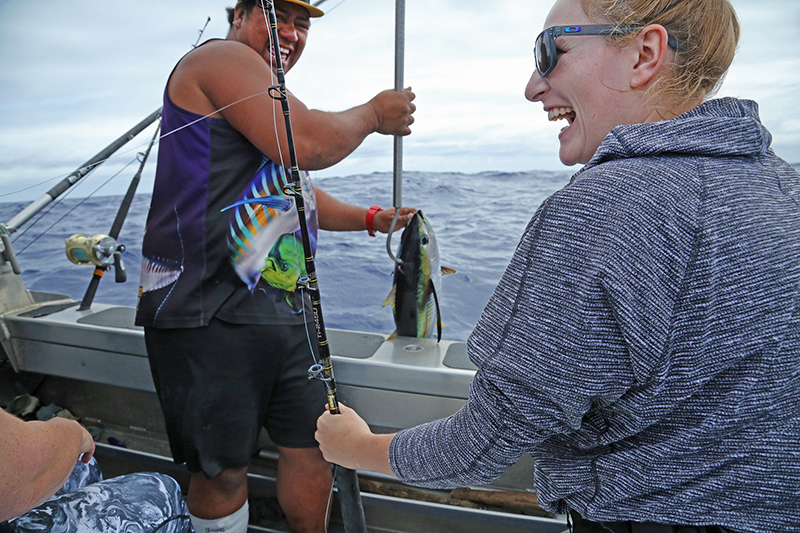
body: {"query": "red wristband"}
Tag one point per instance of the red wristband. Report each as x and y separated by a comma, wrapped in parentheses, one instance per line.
(370, 216)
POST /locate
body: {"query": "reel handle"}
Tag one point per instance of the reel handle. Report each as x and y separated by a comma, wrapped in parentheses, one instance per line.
(120, 274)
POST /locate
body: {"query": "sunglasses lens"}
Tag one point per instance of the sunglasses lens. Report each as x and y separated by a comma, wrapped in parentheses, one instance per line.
(541, 52)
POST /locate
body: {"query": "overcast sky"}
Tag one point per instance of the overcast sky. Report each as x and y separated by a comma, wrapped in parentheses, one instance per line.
(76, 75)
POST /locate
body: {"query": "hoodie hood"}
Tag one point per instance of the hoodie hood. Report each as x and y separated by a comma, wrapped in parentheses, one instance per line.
(721, 127)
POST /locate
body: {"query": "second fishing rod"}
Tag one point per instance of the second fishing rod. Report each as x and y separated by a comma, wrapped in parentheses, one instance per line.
(347, 481)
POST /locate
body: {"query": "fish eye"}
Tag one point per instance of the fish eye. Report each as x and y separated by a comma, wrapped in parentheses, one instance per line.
(424, 239)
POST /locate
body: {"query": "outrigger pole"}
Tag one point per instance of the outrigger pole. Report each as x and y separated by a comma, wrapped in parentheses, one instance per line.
(399, 68)
(347, 481)
(43, 201)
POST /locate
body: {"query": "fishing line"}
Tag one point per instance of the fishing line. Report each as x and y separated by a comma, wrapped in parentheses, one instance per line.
(184, 517)
(47, 211)
(275, 50)
(328, 505)
(65, 215)
(138, 148)
(204, 117)
(327, 11)
(62, 176)
(52, 206)
(275, 47)
(100, 223)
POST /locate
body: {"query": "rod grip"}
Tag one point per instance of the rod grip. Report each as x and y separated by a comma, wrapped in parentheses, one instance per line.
(350, 501)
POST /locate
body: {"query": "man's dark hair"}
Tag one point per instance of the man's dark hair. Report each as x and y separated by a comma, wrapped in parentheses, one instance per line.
(247, 5)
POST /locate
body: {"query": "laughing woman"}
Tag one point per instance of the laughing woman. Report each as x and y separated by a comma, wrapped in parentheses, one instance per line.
(644, 343)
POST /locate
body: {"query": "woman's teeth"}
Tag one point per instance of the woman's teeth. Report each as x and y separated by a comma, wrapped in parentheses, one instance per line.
(558, 113)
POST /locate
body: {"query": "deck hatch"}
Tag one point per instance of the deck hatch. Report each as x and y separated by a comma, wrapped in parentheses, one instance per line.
(456, 357)
(352, 344)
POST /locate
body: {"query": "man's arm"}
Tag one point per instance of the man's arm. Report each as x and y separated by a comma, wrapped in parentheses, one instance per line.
(335, 215)
(231, 80)
(36, 458)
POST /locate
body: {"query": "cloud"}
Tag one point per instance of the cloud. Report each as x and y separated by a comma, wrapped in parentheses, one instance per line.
(78, 74)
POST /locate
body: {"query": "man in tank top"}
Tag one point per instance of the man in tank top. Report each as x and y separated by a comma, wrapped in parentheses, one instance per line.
(226, 326)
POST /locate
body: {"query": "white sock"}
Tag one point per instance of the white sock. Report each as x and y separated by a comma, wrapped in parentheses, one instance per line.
(234, 523)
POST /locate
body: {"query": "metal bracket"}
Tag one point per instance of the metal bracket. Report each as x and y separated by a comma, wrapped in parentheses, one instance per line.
(275, 93)
(317, 371)
(303, 282)
(8, 346)
(291, 191)
(9, 255)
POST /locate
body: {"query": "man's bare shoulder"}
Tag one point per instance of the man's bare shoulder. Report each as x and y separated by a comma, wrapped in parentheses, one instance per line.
(203, 80)
(216, 53)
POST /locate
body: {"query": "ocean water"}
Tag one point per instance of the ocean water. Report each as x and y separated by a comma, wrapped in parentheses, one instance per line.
(478, 219)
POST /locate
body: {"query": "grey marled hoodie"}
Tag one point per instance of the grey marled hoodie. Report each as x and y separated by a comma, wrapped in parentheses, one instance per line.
(644, 343)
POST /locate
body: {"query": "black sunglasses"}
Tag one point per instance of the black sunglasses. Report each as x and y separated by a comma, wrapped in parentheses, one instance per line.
(546, 53)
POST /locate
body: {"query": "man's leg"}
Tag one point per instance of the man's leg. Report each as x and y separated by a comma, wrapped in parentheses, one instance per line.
(218, 497)
(304, 488)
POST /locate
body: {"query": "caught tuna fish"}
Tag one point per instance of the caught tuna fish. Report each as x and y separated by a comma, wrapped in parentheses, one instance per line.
(417, 281)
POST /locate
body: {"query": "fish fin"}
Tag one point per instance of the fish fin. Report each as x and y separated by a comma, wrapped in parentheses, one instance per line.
(448, 270)
(390, 298)
(281, 203)
(438, 314)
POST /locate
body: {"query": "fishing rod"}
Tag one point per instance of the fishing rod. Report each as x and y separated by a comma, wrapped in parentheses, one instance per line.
(43, 201)
(105, 249)
(399, 68)
(347, 481)
(200, 33)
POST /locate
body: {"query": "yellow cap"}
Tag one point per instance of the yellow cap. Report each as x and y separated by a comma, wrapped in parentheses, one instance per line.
(312, 11)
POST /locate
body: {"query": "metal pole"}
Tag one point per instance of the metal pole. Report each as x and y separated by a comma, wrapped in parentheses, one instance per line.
(399, 74)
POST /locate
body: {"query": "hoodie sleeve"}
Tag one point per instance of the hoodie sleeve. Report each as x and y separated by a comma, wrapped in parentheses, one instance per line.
(474, 445)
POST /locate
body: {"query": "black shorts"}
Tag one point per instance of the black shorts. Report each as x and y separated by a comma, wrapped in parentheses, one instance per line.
(218, 385)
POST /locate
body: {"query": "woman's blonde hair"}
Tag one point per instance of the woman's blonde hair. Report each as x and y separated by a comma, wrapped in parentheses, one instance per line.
(708, 31)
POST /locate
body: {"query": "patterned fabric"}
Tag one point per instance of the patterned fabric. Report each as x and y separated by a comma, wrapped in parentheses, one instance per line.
(644, 343)
(265, 243)
(218, 219)
(144, 502)
(82, 474)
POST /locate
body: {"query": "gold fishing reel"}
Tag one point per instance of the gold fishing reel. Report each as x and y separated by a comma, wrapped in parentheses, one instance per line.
(101, 251)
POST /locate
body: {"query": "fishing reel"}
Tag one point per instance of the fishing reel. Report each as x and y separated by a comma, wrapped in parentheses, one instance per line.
(101, 250)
